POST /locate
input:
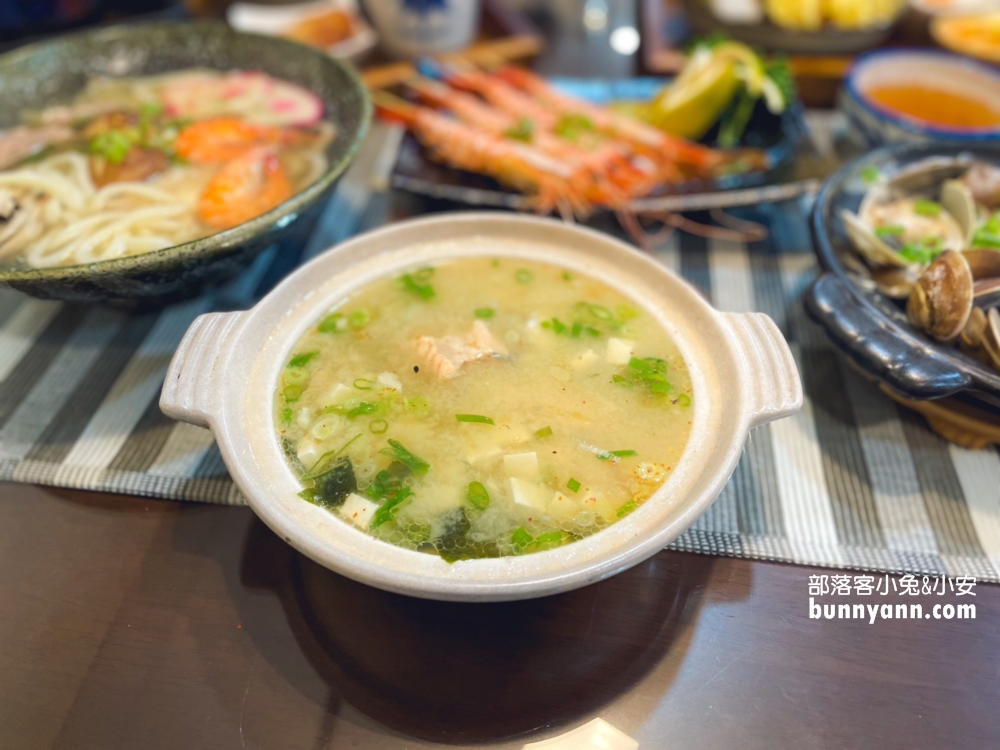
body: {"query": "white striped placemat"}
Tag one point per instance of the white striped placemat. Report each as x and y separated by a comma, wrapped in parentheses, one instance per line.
(851, 481)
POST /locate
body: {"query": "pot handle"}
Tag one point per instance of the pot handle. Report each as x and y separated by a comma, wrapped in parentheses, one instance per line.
(192, 388)
(775, 390)
(894, 358)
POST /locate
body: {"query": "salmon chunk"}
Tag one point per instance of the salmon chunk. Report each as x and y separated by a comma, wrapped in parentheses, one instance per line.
(446, 355)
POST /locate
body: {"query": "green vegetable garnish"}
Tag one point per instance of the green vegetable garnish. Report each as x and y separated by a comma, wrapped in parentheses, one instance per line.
(416, 405)
(523, 276)
(335, 323)
(600, 312)
(555, 325)
(378, 426)
(301, 360)
(572, 125)
(579, 328)
(550, 539)
(416, 283)
(608, 455)
(332, 486)
(889, 230)
(478, 418)
(399, 453)
(292, 393)
(477, 495)
(326, 461)
(650, 373)
(870, 175)
(927, 208)
(567, 276)
(484, 312)
(627, 313)
(352, 412)
(626, 508)
(363, 384)
(286, 415)
(924, 251)
(113, 145)
(573, 485)
(358, 319)
(523, 131)
(988, 235)
(683, 400)
(521, 538)
(543, 433)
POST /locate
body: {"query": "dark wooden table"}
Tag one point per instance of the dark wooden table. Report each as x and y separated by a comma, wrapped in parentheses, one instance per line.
(129, 623)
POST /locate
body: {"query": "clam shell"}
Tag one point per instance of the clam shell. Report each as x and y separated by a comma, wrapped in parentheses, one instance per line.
(974, 329)
(929, 173)
(991, 338)
(986, 293)
(984, 264)
(896, 282)
(871, 248)
(956, 199)
(942, 299)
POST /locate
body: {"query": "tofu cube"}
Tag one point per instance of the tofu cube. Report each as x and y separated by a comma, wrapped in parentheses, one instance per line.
(358, 510)
(339, 393)
(521, 465)
(562, 507)
(528, 493)
(390, 380)
(619, 351)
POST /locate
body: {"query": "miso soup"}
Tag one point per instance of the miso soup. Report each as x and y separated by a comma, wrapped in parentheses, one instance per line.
(483, 407)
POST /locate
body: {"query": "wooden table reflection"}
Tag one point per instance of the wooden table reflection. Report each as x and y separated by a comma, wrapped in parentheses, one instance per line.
(144, 623)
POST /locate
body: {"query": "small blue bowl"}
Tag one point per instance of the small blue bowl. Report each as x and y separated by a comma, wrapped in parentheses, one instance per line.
(878, 125)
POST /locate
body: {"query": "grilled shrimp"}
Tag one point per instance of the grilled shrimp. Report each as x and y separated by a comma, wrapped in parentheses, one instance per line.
(248, 186)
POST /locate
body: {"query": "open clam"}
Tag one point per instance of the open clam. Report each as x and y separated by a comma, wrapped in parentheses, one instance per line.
(942, 299)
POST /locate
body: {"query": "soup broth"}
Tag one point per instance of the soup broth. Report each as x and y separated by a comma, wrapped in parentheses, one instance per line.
(936, 106)
(484, 407)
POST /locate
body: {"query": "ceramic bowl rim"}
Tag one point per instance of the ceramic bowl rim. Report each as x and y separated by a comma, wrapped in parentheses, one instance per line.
(204, 247)
(969, 135)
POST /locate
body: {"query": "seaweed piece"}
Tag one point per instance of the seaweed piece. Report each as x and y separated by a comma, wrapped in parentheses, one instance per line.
(332, 487)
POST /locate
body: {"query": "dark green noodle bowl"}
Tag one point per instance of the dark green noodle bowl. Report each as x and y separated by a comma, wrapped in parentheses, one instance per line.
(52, 72)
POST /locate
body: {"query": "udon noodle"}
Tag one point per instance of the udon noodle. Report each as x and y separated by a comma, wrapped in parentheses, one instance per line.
(138, 165)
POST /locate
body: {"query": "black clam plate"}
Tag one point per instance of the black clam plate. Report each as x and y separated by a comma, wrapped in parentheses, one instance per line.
(871, 329)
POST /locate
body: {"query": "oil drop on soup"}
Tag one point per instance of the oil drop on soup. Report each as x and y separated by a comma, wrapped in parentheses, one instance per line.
(483, 408)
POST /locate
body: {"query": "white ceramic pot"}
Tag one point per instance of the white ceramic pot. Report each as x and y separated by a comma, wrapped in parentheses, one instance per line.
(223, 376)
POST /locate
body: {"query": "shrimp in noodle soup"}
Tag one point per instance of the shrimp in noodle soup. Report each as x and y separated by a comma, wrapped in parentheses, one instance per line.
(135, 165)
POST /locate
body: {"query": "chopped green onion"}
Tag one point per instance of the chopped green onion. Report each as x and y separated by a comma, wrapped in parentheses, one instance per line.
(399, 453)
(113, 145)
(326, 460)
(387, 511)
(378, 426)
(627, 313)
(495, 263)
(870, 175)
(301, 360)
(358, 319)
(555, 325)
(608, 455)
(292, 393)
(286, 415)
(567, 276)
(550, 539)
(684, 400)
(473, 418)
(522, 131)
(626, 508)
(573, 485)
(521, 538)
(411, 284)
(364, 384)
(889, 230)
(600, 312)
(484, 312)
(927, 208)
(543, 433)
(355, 411)
(923, 251)
(572, 125)
(524, 276)
(295, 376)
(335, 323)
(477, 495)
